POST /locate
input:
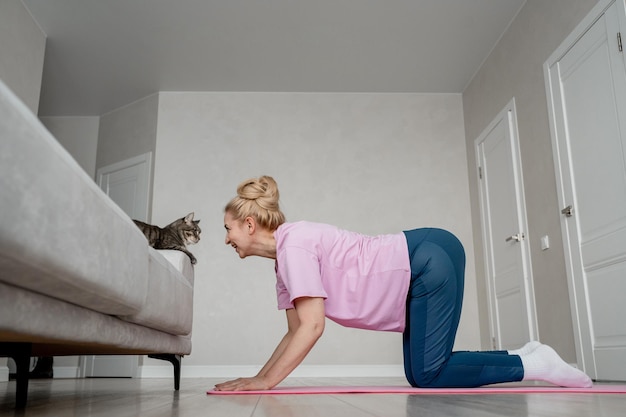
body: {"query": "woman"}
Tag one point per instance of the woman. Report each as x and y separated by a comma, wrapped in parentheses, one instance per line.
(410, 282)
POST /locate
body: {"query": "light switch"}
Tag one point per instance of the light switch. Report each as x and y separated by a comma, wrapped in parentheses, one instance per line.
(545, 242)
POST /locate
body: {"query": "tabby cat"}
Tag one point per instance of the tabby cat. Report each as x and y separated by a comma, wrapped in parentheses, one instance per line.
(176, 235)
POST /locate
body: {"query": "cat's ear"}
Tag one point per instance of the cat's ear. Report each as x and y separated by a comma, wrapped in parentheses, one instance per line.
(189, 218)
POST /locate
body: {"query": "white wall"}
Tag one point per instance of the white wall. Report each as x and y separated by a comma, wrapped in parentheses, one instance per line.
(128, 131)
(22, 48)
(515, 69)
(79, 136)
(372, 163)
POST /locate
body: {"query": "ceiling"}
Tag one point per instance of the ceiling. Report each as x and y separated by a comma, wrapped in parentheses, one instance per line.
(103, 54)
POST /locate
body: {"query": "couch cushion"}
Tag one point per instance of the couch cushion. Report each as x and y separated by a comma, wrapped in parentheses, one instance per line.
(181, 262)
(66, 328)
(60, 235)
(169, 302)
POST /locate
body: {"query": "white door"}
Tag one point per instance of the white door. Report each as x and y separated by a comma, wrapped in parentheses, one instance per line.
(128, 184)
(586, 85)
(503, 214)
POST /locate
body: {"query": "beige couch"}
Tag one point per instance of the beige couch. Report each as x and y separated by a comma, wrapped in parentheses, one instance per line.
(76, 275)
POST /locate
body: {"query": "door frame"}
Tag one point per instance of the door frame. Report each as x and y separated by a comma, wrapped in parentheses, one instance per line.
(579, 310)
(508, 114)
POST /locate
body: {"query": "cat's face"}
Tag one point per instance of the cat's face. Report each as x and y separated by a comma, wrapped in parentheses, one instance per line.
(191, 233)
(190, 230)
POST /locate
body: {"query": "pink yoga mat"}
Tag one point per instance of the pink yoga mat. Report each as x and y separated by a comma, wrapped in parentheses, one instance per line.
(596, 389)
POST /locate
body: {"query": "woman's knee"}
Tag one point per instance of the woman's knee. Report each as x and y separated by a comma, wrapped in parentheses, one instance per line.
(421, 379)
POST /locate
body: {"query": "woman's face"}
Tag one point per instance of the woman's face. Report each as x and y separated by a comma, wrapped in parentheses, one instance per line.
(237, 234)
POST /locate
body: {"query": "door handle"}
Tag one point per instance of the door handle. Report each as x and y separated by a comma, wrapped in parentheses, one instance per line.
(518, 238)
(568, 211)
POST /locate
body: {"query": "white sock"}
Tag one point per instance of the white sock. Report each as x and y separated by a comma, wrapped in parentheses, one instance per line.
(544, 364)
(526, 349)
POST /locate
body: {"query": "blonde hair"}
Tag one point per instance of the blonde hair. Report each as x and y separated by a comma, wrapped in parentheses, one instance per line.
(257, 198)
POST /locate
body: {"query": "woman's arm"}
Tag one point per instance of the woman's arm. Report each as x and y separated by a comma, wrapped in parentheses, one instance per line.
(292, 325)
(305, 326)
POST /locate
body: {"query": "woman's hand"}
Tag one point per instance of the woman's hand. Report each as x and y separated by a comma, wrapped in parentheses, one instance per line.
(305, 326)
(256, 383)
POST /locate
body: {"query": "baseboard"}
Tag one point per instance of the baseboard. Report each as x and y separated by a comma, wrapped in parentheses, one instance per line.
(58, 371)
(66, 371)
(235, 371)
(303, 371)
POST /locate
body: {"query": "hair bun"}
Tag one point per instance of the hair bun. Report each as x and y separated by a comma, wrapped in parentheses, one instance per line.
(262, 190)
(258, 197)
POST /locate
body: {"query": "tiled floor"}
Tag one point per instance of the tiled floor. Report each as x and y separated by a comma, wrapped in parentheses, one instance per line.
(156, 397)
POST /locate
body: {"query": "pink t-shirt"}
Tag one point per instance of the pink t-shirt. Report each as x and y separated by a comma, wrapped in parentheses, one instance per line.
(364, 279)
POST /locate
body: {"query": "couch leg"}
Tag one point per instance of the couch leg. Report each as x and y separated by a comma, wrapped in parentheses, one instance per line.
(20, 352)
(22, 363)
(175, 360)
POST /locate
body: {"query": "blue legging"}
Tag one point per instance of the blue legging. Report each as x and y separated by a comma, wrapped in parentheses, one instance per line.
(433, 311)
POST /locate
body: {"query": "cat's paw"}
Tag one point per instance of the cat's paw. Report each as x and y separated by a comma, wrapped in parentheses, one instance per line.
(193, 260)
